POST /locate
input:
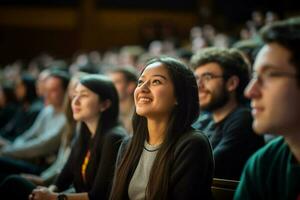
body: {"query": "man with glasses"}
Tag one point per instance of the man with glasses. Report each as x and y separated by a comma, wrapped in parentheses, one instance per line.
(273, 172)
(222, 76)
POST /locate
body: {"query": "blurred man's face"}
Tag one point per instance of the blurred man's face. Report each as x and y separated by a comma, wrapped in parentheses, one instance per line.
(54, 92)
(274, 92)
(121, 85)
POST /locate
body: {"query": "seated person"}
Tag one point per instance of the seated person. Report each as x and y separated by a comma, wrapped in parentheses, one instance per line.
(27, 112)
(90, 166)
(29, 152)
(273, 172)
(125, 80)
(222, 75)
(8, 103)
(165, 158)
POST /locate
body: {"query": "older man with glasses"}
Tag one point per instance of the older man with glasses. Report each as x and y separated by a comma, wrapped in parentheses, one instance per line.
(273, 172)
(222, 76)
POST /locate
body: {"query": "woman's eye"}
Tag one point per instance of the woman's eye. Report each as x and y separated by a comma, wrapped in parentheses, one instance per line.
(140, 82)
(84, 95)
(80, 96)
(155, 82)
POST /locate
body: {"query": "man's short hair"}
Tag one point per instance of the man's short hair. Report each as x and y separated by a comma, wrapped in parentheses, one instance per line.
(130, 73)
(287, 34)
(249, 47)
(232, 63)
(62, 75)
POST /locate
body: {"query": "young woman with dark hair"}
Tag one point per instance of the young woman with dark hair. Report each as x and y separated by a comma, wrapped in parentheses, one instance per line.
(91, 163)
(165, 158)
(90, 166)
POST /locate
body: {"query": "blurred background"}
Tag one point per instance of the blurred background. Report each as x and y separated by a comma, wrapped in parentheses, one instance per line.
(66, 28)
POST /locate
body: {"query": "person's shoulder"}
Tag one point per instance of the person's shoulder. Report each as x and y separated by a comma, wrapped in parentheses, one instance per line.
(193, 139)
(36, 106)
(116, 132)
(270, 152)
(273, 147)
(126, 142)
(240, 117)
(48, 110)
(193, 147)
(194, 135)
(124, 145)
(241, 113)
(203, 120)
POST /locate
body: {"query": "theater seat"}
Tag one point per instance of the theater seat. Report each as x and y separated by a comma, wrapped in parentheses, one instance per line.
(223, 189)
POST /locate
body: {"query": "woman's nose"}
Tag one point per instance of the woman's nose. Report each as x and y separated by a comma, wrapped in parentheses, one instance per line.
(145, 86)
(75, 100)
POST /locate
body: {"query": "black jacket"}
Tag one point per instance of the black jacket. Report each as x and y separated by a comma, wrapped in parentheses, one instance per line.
(192, 167)
(99, 172)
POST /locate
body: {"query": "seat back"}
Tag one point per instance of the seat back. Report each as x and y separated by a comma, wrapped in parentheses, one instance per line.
(223, 189)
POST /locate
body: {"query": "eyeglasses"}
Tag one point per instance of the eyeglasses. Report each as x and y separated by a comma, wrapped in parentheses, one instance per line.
(206, 77)
(267, 76)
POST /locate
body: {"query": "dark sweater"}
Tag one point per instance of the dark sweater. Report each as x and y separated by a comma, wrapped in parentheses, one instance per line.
(233, 141)
(100, 169)
(271, 173)
(7, 113)
(21, 121)
(192, 168)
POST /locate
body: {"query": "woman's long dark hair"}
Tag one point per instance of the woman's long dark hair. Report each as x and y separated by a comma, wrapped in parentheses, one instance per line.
(29, 82)
(9, 93)
(183, 115)
(108, 119)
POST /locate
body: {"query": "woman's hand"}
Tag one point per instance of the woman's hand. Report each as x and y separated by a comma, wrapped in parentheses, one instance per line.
(42, 193)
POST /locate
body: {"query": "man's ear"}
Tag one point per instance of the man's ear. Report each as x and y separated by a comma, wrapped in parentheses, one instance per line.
(105, 105)
(232, 83)
(131, 87)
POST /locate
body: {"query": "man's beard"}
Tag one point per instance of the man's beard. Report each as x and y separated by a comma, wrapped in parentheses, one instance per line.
(217, 101)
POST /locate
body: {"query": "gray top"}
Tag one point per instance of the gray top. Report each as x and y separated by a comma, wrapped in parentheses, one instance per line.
(139, 180)
(41, 139)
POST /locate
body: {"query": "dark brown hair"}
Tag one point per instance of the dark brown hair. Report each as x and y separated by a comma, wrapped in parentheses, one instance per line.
(287, 34)
(232, 63)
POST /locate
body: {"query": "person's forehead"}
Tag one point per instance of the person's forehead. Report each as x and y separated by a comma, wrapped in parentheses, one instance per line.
(53, 82)
(208, 67)
(272, 55)
(155, 69)
(117, 76)
(81, 88)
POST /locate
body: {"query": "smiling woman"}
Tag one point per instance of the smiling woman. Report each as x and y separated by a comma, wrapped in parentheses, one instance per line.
(90, 166)
(165, 154)
(154, 95)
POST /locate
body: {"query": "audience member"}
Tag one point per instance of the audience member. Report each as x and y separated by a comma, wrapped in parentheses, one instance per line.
(91, 163)
(125, 80)
(8, 103)
(28, 153)
(273, 172)
(27, 112)
(222, 75)
(48, 176)
(165, 158)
